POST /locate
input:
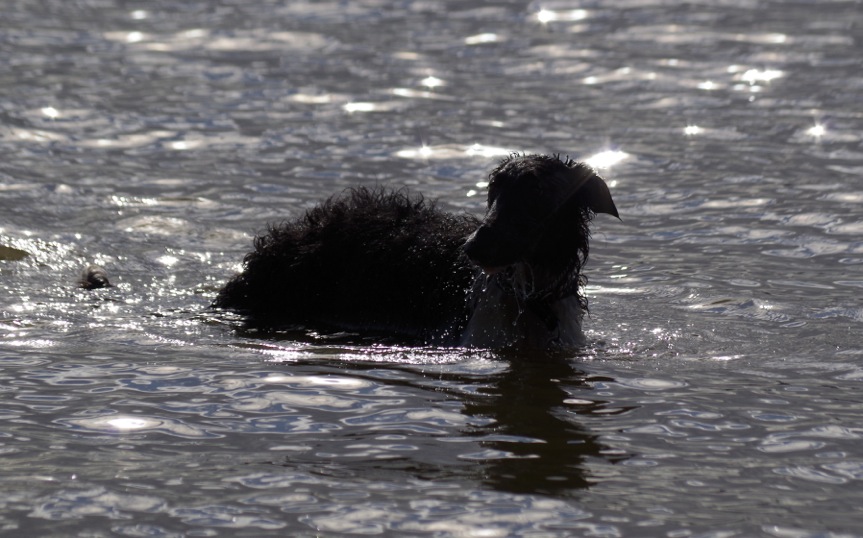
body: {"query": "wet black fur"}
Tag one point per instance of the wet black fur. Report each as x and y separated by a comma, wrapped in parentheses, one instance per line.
(552, 241)
(372, 259)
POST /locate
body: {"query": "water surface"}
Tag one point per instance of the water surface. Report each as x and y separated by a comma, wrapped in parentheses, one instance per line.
(720, 392)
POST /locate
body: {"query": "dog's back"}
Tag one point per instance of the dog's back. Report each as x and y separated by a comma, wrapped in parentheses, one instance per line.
(368, 260)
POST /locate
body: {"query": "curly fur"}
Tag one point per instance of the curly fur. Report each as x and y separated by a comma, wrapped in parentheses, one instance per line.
(370, 259)
(387, 261)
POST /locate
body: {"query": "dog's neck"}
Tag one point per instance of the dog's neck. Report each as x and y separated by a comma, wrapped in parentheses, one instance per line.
(524, 307)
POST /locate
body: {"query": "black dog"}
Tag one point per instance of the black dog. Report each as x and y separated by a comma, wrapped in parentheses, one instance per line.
(373, 260)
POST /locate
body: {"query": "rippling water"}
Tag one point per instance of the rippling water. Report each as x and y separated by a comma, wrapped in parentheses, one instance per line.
(720, 394)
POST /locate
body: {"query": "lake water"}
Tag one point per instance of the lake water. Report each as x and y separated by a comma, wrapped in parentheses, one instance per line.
(720, 394)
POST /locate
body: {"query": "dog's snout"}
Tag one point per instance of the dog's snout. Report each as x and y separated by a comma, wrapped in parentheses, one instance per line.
(477, 245)
(492, 248)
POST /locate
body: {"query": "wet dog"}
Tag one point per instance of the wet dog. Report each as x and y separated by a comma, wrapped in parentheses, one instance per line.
(387, 262)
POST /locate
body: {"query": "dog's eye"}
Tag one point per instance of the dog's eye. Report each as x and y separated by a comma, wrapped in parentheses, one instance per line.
(498, 184)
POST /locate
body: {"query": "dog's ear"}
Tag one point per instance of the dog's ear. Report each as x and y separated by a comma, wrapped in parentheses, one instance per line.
(591, 190)
(597, 197)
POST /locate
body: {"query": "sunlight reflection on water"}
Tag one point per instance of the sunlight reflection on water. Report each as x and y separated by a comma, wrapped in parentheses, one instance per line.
(724, 357)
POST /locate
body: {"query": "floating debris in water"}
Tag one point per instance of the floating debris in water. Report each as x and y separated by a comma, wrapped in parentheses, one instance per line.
(94, 277)
(12, 254)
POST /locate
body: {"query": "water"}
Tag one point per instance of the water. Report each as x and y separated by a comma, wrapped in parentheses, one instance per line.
(719, 396)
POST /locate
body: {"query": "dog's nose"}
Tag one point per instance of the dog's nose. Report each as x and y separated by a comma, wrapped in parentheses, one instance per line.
(483, 249)
(476, 244)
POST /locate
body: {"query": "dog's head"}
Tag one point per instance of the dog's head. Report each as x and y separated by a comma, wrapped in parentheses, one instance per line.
(539, 208)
